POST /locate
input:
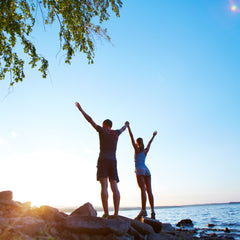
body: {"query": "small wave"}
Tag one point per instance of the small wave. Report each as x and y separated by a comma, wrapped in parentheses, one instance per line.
(230, 224)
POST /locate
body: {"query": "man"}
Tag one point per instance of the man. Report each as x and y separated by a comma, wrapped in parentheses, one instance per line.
(107, 162)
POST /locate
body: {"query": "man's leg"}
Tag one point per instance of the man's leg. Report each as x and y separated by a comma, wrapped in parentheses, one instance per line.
(116, 196)
(104, 194)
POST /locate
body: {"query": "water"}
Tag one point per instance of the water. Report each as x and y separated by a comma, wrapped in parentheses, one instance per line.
(221, 215)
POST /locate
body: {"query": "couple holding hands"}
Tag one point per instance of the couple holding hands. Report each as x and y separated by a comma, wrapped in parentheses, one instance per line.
(107, 165)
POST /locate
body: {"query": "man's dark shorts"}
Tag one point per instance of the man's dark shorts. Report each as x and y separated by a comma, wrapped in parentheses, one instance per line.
(107, 168)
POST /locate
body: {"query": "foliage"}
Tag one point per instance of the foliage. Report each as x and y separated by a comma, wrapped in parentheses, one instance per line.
(77, 27)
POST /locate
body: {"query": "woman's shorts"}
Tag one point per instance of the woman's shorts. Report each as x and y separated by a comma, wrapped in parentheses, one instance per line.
(107, 168)
(142, 171)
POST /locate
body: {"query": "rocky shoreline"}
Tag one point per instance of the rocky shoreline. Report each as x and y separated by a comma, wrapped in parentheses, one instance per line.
(20, 221)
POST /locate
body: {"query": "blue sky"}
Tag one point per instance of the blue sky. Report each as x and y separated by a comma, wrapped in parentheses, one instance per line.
(172, 66)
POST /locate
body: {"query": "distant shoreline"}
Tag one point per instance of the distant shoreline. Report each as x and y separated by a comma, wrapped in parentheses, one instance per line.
(98, 208)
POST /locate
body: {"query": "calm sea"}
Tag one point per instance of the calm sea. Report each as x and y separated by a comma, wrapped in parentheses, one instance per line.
(221, 215)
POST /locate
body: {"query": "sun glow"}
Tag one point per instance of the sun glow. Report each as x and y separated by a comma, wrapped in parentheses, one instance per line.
(234, 6)
(52, 178)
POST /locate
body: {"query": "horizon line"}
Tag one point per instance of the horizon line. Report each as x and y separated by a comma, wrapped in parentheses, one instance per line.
(99, 208)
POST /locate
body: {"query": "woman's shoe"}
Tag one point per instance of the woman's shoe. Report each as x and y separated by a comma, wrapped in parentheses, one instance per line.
(143, 213)
(153, 215)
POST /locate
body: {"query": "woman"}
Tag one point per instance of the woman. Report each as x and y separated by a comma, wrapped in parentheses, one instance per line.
(142, 173)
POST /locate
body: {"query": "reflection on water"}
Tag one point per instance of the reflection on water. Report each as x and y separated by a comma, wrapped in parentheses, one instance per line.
(221, 215)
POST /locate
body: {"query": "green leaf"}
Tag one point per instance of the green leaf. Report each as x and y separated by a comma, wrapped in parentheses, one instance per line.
(78, 23)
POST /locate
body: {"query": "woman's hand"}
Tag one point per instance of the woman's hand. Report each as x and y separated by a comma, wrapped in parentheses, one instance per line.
(78, 105)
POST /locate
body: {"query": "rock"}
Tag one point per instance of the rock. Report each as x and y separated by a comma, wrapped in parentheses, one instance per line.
(133, 232)
(213, 235)
(85, 210)
(163, 236)
(122, 218)
(6, 196)
(112, 236)
(210, 225)
(27, 225)
(185, 223)
(18, 209)
(167, 227)
(20, 221)
(226, 230)
(26, 205)
(186, 235)
(53, 231)
(96, 225)
(83, 236)
(142, 228)
(203, 234)
(50, 214)
(155, 236)
(156, 225)
(6, 199)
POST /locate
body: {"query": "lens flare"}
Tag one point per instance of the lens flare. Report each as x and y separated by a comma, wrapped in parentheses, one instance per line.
(234, 8)
(234, 5)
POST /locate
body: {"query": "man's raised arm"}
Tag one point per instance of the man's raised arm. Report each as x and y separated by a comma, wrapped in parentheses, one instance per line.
(124, 127)
(87, 117)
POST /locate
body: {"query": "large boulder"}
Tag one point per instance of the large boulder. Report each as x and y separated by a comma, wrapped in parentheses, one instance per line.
(6, 199)
(139, 226)
(185, 223)
(50, 214)
(156, 225)
(167, 227)
(142, 228)
(6, 196)
(85, 210)
(137, 235)
(28, 225)
(96, 225)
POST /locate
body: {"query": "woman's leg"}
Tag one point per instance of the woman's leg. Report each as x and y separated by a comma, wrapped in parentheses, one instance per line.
(149, 192)
(141, 184)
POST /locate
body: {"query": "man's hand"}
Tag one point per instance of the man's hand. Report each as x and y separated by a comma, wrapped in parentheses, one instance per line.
(126, 123)
(155, 133)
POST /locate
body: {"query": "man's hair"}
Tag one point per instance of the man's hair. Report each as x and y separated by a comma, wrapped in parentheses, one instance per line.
(108, 122)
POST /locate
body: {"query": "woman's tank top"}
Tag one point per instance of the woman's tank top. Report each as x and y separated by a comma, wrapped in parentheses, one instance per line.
(140, 159)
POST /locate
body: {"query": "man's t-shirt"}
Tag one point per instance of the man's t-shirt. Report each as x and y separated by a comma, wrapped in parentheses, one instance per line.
(108, 142)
